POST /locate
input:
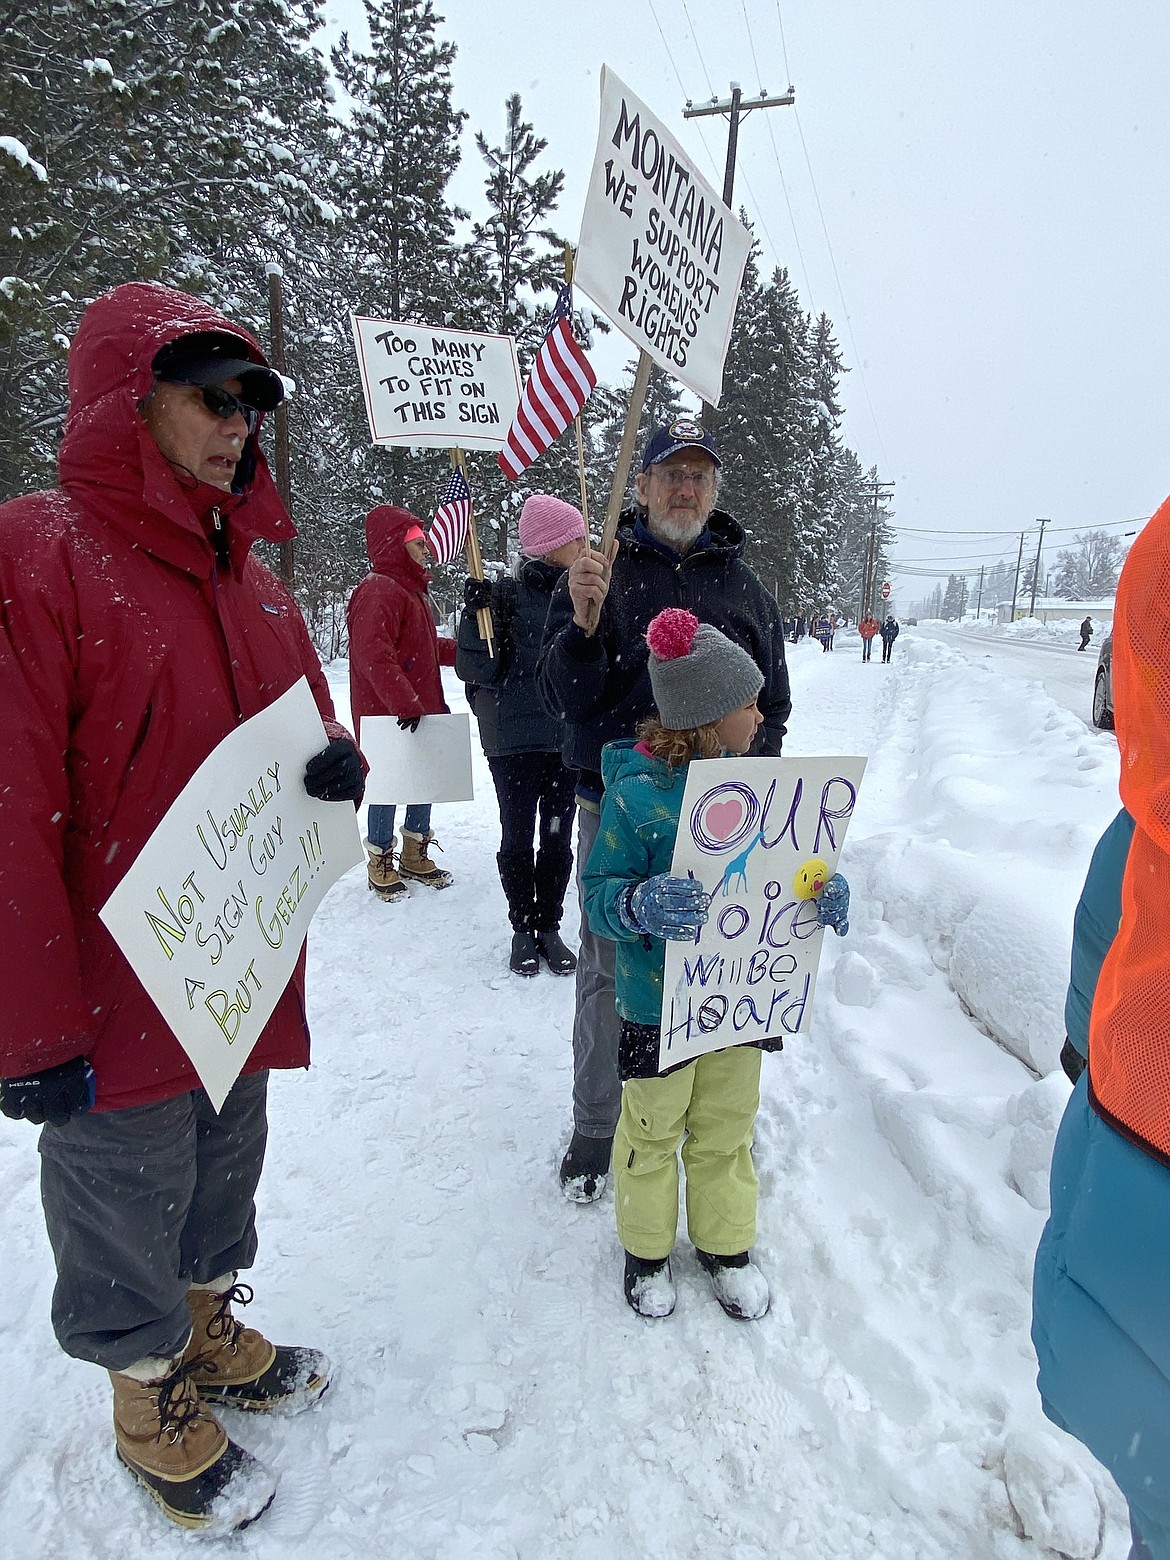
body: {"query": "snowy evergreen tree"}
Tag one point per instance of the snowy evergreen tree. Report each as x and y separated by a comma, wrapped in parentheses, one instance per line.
(177, 143)
(954, 602)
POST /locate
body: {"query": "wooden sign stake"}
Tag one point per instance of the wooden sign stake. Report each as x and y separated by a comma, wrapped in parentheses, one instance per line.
(621, 471)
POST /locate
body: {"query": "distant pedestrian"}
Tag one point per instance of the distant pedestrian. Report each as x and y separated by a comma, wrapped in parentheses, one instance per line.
(868, 628)
(1086, 632)
(799, 629)
(889, 632)
(824, 631)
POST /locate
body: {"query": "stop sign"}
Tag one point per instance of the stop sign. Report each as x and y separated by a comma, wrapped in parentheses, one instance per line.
(885, 590)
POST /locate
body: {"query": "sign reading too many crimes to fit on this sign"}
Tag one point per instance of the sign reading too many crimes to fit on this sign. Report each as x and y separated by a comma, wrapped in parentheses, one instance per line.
(660, 253)
(214, 910)
(432, 387)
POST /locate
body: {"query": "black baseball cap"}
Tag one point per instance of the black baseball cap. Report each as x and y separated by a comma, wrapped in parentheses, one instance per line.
(684, 433)
(211, 358)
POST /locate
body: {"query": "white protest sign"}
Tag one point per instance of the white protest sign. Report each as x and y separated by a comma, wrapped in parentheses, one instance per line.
(432, 764)
(747, 827)
(213, 912)
(659, 251)
(430, 386)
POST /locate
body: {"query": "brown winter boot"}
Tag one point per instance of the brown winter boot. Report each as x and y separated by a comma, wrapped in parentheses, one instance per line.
(383, 879)
(181, 1455)
(415, 864)
(238, 1367)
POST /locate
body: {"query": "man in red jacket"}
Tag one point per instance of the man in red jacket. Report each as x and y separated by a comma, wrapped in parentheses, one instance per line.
(394, 660)
(137, 631)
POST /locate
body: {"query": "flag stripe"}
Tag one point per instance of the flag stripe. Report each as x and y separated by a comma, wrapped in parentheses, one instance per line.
(558, 387)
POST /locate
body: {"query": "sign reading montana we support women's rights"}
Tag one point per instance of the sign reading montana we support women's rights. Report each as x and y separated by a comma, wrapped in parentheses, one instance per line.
(432, 387)
(660, 253)
(751, 830)
(213, 913)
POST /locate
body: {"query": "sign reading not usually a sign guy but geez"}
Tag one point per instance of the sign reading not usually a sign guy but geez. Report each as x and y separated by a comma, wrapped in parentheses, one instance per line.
(213, 913)
(433, 387)
(757, 833)
(660, 253)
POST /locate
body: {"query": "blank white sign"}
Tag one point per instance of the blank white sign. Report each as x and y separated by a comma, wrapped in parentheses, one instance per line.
(432, 764)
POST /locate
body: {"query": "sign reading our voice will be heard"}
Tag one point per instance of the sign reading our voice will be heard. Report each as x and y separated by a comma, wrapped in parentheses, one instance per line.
(429, 386)
(747, 828)
(214, 911)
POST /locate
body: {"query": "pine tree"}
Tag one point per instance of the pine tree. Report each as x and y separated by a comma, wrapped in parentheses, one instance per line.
(172, 143)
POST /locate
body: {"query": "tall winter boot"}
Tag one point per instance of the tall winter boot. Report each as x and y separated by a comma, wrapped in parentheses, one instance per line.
(415, 865)
(180, 1453)
(383, 879)
(238, 1366)
(554, 867)
(517, 880)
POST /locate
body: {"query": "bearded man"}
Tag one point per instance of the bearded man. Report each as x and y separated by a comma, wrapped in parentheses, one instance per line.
(673, 549)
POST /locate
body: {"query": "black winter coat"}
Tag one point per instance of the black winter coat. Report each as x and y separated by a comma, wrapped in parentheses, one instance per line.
(598, 685)
(502, 691)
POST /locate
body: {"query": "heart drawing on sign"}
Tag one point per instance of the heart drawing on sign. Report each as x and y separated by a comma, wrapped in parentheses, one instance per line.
(722, 820)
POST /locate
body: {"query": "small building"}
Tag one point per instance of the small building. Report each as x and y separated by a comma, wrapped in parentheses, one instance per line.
(1054, 609)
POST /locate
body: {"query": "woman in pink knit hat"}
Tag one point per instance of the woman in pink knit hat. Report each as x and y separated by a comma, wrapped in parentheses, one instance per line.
(521, 740)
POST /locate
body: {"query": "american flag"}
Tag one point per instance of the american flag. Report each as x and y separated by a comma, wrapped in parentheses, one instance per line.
(452, 517)
(557, 389)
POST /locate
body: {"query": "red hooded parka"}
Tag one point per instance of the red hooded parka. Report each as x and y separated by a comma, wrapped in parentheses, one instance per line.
(126, 655)
(394, 651)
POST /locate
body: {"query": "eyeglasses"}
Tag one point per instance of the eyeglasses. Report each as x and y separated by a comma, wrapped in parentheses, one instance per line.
(675, 476)
(223, 404)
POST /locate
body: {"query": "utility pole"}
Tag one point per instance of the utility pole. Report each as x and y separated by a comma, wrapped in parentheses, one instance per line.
(1036, 570)
(878, 492)
(736, 109)
(283, 471)
(979, 598)
(1016, 584)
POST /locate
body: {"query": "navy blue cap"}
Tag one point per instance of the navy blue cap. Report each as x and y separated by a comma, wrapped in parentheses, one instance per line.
(684, 433)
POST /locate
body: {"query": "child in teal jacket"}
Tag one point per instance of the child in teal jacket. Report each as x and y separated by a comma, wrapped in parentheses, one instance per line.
(705, 690)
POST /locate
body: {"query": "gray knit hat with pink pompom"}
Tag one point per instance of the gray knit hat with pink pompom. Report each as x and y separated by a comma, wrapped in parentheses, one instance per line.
(698, 675)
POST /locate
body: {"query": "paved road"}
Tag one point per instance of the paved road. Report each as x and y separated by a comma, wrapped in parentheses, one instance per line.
(1066, 673)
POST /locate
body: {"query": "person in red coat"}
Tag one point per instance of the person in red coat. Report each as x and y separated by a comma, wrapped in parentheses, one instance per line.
(395, 657)
(868, 628)
(137, 631)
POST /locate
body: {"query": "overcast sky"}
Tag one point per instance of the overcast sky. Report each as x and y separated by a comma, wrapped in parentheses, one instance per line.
(993, 250)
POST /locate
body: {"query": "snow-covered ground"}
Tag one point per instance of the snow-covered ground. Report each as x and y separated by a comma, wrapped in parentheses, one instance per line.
(495, 1398)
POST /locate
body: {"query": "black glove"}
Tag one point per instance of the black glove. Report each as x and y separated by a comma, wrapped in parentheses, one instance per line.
(477, 593)
(335, 773)
(408, 722)
(53, 1095)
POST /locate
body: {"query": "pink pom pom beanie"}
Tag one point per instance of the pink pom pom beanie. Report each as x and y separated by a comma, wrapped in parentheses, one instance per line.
(547, 523)
(698, 675)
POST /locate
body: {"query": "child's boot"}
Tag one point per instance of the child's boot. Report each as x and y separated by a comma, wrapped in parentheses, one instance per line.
(585, 1167)
(740, 1288)
(649, 1286)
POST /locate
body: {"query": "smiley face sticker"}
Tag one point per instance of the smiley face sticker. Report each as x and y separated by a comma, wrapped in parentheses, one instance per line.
(810, 878)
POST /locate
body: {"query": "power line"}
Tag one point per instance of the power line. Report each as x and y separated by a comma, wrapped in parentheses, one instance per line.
(783, 44)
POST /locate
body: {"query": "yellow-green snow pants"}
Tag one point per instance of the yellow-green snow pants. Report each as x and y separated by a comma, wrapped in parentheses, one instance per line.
(713, 1102)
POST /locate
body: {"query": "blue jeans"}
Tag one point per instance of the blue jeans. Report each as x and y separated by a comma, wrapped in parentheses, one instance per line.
(380, 823)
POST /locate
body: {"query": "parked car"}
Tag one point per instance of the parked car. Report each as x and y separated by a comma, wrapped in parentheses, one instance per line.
(1103, 686)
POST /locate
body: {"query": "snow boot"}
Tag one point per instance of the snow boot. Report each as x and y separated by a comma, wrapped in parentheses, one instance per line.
(415, 865)
(517, 879)
(383, 879)
(238, 1366)
(649, 1286)
(585, 1167)
(552, 870)
(560, 960)
(523, 959)
(181, 1454)
(740, 1288)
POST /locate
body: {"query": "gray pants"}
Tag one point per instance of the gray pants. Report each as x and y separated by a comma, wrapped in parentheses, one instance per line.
(142, 1203)
(597, 1088)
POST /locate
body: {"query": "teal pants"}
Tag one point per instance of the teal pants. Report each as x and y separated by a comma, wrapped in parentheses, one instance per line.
(710, 1108)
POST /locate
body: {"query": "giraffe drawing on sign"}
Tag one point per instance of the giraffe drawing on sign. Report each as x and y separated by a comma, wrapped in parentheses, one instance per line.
(737, 868)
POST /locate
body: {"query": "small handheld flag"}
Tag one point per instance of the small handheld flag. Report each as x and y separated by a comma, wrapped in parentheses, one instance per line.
(558, 388)
(452, 518)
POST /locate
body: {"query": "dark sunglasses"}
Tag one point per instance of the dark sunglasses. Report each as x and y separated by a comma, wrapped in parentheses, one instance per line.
(223, 404)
